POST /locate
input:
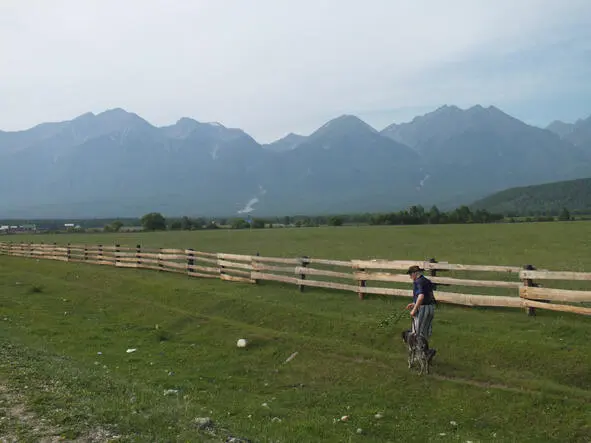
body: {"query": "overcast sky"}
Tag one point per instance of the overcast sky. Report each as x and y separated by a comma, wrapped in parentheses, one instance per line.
(276, 66)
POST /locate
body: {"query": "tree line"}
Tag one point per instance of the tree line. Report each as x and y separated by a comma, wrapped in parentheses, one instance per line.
(415, 215)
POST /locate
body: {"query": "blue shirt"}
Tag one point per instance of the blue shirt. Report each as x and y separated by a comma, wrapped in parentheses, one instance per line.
(422, 285)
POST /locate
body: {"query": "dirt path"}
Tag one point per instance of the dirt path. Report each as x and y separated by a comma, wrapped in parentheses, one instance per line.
(18, 424)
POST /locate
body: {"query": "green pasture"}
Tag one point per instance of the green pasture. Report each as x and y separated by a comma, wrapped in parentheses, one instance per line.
(558, 245)
(499, 375)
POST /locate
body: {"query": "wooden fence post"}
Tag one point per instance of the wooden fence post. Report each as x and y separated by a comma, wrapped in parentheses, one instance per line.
(221, 268)
(362, 284)
(190, 260)
(68, 252)
(528, 282)
(138, 255)
(100, 254)
(85, 252)
(252, 265)
(160, 265)
(433, 272)
(54, 251)
(117, 251)
(304, 261)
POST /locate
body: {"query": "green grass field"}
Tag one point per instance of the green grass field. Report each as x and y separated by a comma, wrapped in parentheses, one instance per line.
(499, 375)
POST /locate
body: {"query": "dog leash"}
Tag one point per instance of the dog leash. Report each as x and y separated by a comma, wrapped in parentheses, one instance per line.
(392, 319)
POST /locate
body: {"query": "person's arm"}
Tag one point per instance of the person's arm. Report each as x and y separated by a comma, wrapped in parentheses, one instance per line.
(417, 304)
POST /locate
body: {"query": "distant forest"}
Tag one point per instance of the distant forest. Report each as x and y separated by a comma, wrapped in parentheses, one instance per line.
(415, 215)
(549, 199)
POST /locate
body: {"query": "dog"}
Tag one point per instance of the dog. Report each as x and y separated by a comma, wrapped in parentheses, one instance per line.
(418, 351)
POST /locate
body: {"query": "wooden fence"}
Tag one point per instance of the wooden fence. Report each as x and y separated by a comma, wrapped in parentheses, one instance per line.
(346, 275)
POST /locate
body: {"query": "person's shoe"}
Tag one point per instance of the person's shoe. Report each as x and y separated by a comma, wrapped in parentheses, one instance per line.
(432, 353)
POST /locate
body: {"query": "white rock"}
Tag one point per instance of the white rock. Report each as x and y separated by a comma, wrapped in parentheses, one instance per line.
(203, 422)
(130, 350)
(359, 431)
(241, 343)
(345, 418)
(378, 415)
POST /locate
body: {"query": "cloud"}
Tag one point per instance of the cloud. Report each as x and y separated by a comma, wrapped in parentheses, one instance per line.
(274, 67)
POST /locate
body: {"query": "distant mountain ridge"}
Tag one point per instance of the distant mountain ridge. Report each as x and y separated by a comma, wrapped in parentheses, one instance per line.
(578, 133)
(116, 163)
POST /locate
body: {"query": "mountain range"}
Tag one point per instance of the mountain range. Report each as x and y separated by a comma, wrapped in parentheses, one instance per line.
(115, 163)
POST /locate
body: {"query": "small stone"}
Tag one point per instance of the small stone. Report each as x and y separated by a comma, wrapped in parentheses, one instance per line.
(453, 423)
(359, 431)
(345, 418)
(203, 422)
(378, 416)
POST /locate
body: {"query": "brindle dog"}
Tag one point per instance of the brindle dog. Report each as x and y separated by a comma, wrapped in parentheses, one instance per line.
(418, 351)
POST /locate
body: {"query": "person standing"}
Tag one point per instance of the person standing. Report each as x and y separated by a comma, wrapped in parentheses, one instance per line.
(422, 308)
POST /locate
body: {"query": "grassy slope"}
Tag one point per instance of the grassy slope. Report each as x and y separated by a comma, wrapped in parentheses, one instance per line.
(499, 374)
(575, 195)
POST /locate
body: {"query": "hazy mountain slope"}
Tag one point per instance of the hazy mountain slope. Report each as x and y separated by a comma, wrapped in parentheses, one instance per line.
(560, 128)
(578, 133)
(550, 198)
(345, 165)
(469, 153)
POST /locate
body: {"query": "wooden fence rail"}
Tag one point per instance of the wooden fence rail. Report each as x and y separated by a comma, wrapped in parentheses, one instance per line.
(352, 276)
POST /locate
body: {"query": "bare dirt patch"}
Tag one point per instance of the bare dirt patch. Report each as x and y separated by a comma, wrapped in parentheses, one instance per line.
(18, 423)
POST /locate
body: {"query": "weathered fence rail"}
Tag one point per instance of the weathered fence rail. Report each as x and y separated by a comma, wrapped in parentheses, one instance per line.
(353, 275)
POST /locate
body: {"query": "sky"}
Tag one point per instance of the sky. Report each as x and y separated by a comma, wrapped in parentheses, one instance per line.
(272, 67)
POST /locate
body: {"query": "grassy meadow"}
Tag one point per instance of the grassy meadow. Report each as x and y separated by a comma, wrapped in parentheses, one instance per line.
(499, 375)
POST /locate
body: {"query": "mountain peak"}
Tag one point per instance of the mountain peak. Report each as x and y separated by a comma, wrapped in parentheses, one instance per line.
(85, 116)
(287, 143)
(448, 121)
(114, 111)
(187, 121)
(345, 124)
